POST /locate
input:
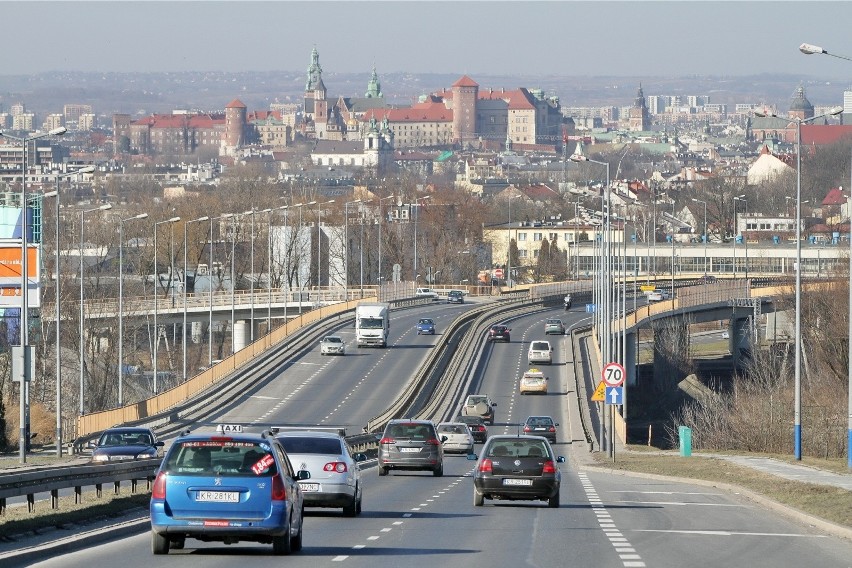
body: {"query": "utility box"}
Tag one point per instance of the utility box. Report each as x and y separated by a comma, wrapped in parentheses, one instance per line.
(684, 434)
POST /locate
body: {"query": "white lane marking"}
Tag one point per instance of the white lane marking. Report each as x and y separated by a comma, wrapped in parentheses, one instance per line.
(387, 529)
(666, 493)
(679, 504)
(359, 546)
(372, 538)
(732, 533)
(340, 558)
(618, 541)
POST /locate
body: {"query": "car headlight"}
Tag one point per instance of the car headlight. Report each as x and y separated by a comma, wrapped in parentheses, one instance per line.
(100, 458)
(152, 453)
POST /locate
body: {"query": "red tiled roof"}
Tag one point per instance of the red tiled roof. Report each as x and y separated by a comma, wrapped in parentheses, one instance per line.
(516, 99)
(465, 81)
(236, 103)
(426, 112)
(820, 134)
(834, 197)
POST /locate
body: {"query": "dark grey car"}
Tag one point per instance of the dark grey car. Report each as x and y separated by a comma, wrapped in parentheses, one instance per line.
(411, 445)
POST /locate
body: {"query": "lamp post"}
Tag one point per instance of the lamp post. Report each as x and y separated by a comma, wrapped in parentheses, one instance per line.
(25, 323)
(185, 272)
(797, 339)
(704, 236)
(745, 227)
(381, 216)
(416, 207)
(809, 49)
(319, 241)
(210, 274)
(82, 306)
(346, 248)
(121, 223)
(298, 242)
(269, 266)
(156, 294)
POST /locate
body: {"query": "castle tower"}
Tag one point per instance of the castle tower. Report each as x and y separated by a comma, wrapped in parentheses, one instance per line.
(638, 119)
(314, 87)
(465, 95)
(374, 88)
(801, 107)
(235, 124)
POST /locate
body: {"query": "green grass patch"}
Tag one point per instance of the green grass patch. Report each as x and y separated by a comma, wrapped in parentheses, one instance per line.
(828, 503)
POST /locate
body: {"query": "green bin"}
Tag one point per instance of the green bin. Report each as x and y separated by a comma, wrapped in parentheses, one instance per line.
(684, 434)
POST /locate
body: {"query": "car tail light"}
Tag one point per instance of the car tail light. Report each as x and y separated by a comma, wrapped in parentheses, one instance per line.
(279, 492)
(387, 441)
(553, 428)
(526, 428)
(485, 466)
(159, 489)
(548, 467)
(433, 442)
(338, 467)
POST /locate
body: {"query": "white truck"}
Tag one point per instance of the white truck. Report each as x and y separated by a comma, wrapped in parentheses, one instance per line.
(372, 322)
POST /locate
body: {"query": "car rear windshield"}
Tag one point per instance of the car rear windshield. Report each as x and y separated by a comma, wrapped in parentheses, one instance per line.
(452, 429)
(517, 449)
(307, 445)
(413, 431)
(539, 346)
(539, 422)
(223, 458)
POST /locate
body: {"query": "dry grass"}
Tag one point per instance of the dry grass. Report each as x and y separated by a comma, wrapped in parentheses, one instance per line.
(828, 503)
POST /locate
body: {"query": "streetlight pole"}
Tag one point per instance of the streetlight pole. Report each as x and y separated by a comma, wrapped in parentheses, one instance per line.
(745, 227)
(704, 236)
(381, 215)
(346, 248)
(797, 339)
(416, 207)
(269, 267)
(156, 294)
(25, 323)
(298, 242)
(121, 223)
(185, 272)
(809, 49)
(210, 274)
(82, 306)
(319, 242)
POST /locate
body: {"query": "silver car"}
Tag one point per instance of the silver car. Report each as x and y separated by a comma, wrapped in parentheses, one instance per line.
(458, 437)
(335, 479)
(332, 345)
(411, 445)
(540, 353)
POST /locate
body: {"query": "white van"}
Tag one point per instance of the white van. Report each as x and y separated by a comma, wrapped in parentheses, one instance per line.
(540, 353)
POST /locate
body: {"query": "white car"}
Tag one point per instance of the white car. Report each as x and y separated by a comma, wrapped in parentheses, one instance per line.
(456, 437)
(426, 293)
(658, 296)
(335, 479)
(540, 353)
(332, 345)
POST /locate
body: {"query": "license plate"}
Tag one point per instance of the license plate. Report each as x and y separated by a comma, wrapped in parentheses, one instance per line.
(517, 482)
(540, 429)
(310, 487)
(218, 496)
(409, 450)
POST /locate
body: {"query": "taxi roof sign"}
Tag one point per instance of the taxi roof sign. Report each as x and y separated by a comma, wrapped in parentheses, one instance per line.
(229, 428)
(600, 393)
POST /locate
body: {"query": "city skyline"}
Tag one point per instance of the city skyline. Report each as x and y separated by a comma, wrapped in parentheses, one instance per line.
(608, 38)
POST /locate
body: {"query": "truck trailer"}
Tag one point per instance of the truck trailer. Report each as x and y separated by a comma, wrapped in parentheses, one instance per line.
(372, 322)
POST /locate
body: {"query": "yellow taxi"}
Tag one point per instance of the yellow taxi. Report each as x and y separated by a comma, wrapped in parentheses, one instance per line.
(534, 381)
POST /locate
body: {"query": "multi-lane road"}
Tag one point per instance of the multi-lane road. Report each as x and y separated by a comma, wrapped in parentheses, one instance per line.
(417, 520)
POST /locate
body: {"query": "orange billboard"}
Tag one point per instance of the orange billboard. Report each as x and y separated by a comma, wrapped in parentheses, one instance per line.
(10, 262)
(10, 275)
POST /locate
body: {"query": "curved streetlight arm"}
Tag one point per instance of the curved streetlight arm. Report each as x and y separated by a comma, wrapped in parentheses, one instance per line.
(810, 49)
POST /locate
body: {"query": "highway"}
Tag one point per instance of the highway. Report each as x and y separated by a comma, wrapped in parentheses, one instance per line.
(417, 520)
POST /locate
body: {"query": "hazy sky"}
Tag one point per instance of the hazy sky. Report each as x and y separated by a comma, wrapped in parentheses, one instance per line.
(564, 37)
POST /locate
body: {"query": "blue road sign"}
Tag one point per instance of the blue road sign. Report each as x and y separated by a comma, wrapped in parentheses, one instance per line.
(591, 308)
(614, 395)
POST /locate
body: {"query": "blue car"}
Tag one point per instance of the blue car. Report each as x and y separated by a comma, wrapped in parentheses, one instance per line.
(426, 325)
(228, 489)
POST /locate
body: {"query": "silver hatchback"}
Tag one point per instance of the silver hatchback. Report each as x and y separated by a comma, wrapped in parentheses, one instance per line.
(411, 445)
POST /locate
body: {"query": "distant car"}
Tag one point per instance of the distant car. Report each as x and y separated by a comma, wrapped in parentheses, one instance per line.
(456, 437)
(541, 426)
(126, 443)
(540, 353)
(411, 445)
(227, 488)
(332, 345)
(455, 297)
(533, 381)
(517, 468)
(479, 405)
(335, 476)
(726, 335)
(476, 425)
(426, 293)
(499, 333)
(657, 295)
(426, 325)
(554, 325)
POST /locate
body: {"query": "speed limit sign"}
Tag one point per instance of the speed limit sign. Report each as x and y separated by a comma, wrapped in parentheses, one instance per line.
(613, 374)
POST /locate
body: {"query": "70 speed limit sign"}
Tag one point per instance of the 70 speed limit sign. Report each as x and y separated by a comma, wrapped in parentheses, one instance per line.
(613, 374)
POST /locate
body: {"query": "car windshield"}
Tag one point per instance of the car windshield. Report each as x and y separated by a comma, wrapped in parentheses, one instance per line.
(426, 321)
(517, 449)
(372, 323)
(333, 340)
(473, 400)
(309, 445)
(125, 439)
(452, 429)
(557, 322)
(221, 457)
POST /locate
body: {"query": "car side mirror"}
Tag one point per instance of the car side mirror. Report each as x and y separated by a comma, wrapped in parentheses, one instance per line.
(493, 404)
(560, 459)
(557, 424)
(471, 457)
(92, 444)
(159, 444)
(359, 457)
(444, 439)
(303, 474)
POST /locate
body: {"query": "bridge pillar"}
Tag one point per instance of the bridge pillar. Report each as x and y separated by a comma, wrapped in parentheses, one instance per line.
(671, 353)
(240, 335)
(196, 331)
(740, 340)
